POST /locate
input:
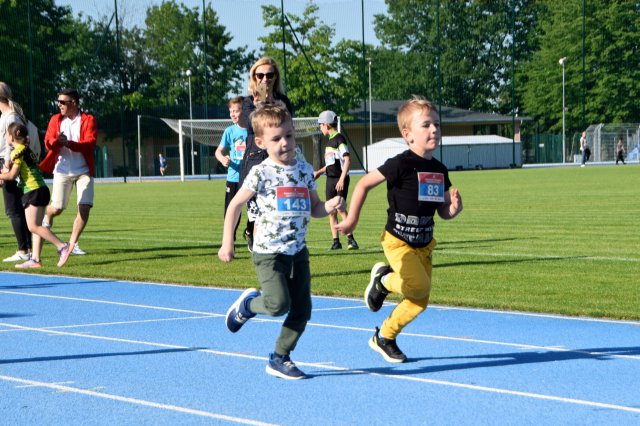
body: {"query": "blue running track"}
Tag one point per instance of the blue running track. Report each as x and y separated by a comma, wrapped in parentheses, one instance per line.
(96, 352)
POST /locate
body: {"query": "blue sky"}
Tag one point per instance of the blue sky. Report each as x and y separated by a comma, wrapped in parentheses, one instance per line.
(240, 15)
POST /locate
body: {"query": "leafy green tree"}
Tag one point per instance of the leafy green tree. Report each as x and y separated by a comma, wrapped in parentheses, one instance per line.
(612, 71)
(319, 74)
(174, 43)
(49, 23)
(473, 46)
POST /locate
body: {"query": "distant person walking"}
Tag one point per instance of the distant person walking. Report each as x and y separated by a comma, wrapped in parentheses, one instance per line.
(620, 151)
(11, 189)
(70, 139)
(584, 148)
(163, 163)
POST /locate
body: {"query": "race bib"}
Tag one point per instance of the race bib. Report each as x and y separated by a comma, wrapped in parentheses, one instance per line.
(431, 187)
(329, 158)
(241, 147)
(293, 201)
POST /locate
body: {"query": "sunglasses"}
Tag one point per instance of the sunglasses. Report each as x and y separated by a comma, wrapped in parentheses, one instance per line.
(269, 75)
(63, 102)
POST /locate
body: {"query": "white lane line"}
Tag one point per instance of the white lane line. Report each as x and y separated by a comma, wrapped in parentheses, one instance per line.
(480, 341)
(326, 366)
(434, 306)
(109, 302)
(482, 388)
(268, 320)
(135, 401)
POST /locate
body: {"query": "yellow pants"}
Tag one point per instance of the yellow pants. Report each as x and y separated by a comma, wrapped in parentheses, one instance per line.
(411, 277)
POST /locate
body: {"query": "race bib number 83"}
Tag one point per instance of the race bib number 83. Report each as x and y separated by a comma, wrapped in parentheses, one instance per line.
(431, 187)
(293, 201)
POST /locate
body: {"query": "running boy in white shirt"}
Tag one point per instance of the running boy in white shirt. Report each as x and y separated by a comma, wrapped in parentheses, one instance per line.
(287, 199)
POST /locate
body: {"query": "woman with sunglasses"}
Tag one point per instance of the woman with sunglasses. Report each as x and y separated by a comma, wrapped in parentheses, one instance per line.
(265, 87)
(11, 190)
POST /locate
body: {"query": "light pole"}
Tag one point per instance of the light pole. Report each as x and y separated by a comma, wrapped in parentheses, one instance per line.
(187, 73)
(562, 61)
(370, 109)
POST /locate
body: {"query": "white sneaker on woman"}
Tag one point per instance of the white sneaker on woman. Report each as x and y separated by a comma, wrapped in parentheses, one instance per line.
(17, 257)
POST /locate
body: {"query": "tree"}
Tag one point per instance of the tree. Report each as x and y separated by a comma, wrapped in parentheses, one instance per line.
(33, 87)
(174, 43)
(319, 74)
(474, 52)
(612, 74)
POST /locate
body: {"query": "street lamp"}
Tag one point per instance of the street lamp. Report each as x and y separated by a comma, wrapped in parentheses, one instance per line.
(370, 109)
(187, 73)
(562, 61)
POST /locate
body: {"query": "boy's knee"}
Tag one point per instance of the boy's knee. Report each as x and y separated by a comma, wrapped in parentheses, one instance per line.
(416, 290)
(276, 307)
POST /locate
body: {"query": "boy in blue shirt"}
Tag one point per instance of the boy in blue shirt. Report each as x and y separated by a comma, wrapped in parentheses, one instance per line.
(230, 152)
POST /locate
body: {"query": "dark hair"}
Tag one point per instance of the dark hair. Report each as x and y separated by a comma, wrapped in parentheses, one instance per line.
(72, 93)
(18, 131)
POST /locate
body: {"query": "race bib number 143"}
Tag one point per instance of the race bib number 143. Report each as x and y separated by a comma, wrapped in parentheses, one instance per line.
(293, 201)
(431, 187)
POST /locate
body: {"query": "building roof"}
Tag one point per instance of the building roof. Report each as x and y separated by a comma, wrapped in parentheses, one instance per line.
(387, 111)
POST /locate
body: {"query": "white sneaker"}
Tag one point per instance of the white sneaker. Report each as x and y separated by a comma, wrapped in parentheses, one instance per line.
(18, 257)
(77, 250)
(45, 223)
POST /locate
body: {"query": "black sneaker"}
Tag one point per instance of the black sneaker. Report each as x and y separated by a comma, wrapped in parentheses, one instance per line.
(352, 244)
(387, 348)
(283, 367)
(337, 245)
(375, 293)
(238, 313)
(249, 237)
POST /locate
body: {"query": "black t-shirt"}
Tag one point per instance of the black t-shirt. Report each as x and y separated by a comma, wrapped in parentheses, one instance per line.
(333, 155)
(415, 189)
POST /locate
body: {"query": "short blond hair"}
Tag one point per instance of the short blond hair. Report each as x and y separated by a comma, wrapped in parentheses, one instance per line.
(269, 116)
(416, 103)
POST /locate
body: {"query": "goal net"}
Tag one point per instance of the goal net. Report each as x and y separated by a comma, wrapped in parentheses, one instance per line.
(209, 132)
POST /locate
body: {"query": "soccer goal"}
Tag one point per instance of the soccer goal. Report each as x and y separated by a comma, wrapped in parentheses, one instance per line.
(209, 132)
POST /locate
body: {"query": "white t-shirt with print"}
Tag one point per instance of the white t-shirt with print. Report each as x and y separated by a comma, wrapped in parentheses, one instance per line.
(284, 203)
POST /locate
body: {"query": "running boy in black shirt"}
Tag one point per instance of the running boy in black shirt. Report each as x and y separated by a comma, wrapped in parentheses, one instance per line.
(417, 187)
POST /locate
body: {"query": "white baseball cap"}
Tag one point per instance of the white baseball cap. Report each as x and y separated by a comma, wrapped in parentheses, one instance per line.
(327, 117)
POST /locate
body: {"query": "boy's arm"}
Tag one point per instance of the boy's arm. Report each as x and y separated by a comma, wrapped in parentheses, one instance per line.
(319, 172)
(320, 209)
(452, 205)
(343, 175)
(368, 182)
(226, 252)
(224, 159)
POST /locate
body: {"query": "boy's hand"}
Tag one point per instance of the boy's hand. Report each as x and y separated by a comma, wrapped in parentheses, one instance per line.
(347, 226)
(226, 160)
(456, 202)
(334, 204)
(226, 254)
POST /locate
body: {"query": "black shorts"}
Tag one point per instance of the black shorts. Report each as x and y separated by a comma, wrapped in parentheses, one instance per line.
(331, 187)
(38, 197)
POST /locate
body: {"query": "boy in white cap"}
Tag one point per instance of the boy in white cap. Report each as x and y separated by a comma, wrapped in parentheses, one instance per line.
(337, 162)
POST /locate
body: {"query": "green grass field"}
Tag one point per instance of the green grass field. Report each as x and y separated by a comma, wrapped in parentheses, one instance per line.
(561, 240)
